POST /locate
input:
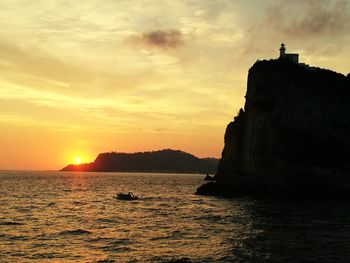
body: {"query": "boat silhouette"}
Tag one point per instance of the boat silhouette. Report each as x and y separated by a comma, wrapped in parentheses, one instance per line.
(128, 196)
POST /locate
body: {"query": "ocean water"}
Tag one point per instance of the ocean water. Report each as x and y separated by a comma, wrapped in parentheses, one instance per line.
(74, 217)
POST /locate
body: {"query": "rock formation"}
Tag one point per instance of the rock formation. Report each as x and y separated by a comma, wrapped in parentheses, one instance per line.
(292, 136)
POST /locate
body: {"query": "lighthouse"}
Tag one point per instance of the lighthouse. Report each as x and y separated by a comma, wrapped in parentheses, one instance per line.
(288, 56)
(282, 50)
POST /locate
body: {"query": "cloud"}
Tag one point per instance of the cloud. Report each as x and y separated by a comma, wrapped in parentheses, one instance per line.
(162, 39)
(317, 18)
(310, 22)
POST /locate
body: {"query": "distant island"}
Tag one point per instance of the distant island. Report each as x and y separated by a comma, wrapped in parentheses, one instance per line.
(163, 161)
(293, 135)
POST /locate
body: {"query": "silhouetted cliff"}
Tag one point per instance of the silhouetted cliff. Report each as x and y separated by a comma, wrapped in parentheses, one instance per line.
(156, 161)
(293, 134)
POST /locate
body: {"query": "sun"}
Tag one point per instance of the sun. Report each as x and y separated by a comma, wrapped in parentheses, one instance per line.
(77, 160)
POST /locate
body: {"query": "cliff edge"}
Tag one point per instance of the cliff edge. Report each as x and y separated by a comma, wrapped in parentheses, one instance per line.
(293, 134)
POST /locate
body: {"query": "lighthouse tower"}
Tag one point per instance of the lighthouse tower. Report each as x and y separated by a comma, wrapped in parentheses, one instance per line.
(282, 50)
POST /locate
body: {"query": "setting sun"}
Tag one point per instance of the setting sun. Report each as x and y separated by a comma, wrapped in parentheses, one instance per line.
(77, 160)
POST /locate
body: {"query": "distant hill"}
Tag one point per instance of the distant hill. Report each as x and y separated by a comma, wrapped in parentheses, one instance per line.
(173, 161)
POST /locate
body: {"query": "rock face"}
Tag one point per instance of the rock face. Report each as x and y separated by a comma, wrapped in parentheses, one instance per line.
(293, 134)
(165, 161)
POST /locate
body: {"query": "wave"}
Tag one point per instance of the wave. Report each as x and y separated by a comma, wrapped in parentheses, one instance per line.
(75, 232)
(171, 260)
(11, 237)
(105, 261)
(11, 223)
(106, 220)
(115, 249)
(173, 235)
(99, 239)
(122, 241)
(49, 255)
(180, 260)
(38, 245)
(215, 218)
(110, 241)
(160, 238)
(79, 203)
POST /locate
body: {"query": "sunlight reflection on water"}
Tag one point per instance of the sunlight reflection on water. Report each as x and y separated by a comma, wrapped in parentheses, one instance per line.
(55, 216)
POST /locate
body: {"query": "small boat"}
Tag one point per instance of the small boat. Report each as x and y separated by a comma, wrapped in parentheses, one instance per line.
(128, 196)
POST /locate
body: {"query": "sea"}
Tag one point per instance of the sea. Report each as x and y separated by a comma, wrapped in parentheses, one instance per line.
(75, 217)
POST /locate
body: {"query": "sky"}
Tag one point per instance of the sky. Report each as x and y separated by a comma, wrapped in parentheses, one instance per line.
(82, 77)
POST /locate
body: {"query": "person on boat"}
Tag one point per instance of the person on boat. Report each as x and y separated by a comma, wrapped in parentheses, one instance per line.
(130, 194)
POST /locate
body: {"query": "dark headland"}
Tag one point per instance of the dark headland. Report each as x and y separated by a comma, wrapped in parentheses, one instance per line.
(293, 135)
(165, 161)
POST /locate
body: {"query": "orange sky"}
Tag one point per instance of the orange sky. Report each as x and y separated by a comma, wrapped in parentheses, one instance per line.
(82, 77)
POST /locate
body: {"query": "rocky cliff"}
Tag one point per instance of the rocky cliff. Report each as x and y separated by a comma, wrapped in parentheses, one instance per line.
(293, 134)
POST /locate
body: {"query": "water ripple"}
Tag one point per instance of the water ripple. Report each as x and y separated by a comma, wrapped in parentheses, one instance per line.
(75, 232)
(11, 223)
